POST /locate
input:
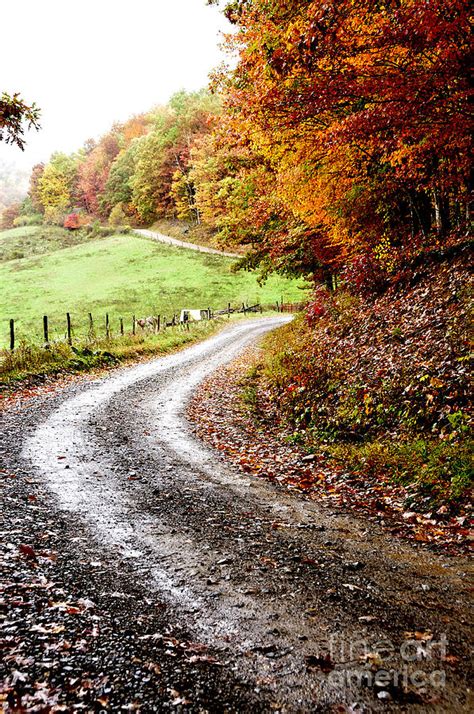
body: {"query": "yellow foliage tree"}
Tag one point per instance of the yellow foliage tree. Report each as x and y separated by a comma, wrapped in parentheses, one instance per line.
(54, 194)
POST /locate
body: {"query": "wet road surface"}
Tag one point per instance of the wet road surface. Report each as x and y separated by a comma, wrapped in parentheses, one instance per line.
(305, 608)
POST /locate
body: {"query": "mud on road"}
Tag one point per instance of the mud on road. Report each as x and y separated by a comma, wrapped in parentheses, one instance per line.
(204, 589)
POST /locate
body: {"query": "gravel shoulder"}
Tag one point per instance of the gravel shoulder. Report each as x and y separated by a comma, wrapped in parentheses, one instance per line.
(143, 572)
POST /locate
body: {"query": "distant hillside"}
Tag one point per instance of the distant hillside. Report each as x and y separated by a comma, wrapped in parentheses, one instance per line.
(30, 241)
(119, 274)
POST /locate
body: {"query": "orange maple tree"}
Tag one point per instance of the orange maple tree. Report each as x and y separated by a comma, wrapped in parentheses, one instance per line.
(360, 111)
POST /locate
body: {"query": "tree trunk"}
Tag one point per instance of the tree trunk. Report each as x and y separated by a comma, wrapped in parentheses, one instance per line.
(441, 212)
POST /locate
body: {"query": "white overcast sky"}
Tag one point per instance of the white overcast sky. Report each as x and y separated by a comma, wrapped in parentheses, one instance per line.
(88, 63)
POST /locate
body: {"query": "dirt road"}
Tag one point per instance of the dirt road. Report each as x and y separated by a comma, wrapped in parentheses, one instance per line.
(246, 597)
(162, 238)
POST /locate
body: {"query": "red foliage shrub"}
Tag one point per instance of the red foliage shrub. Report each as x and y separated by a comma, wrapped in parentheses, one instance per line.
(364, 276)
(72, 222)
(9, 215)
(317, 307)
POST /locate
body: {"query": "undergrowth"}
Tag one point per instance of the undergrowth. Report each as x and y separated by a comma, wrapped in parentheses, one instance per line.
(381, 386)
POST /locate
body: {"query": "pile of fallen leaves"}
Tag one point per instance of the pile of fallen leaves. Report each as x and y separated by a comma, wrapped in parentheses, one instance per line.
(263, 448)
(363, 403)
(384, 383)
(357, 367)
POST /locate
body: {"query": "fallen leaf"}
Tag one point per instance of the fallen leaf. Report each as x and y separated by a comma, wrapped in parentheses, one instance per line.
(28, 551)
(325, 664)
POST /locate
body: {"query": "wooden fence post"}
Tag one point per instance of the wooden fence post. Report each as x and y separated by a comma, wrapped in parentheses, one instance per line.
(45, 330)
(121, 326)
(91, 325)
(134, 326)
(69, 332)
(12, 335)
(107, 325)
(158, 323)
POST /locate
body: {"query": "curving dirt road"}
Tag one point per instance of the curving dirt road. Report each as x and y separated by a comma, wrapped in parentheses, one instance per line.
(162, 238)
(300, 608)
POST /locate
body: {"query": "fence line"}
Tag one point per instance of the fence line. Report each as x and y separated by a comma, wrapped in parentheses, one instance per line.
(158, 323)
(292, 307)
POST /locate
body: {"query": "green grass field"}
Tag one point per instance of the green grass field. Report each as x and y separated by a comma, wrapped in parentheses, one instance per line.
(121, 275)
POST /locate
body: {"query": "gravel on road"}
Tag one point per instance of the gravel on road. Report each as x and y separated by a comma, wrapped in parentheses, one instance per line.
(143, 572)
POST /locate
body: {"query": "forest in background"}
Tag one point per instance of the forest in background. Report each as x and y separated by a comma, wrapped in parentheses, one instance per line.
(340, 141)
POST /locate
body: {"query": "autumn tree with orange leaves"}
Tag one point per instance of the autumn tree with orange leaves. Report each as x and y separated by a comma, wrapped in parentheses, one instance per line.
(359, 112)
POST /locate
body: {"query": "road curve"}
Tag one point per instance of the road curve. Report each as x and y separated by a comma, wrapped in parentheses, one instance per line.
(162, 238)
(295, 599)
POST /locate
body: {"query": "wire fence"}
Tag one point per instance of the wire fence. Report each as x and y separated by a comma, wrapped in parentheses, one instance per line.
(79, 328)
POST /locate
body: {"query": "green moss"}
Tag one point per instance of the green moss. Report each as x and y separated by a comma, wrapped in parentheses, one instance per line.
(438, 472)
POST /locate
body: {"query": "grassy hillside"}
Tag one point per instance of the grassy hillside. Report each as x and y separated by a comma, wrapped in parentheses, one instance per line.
(29, 241)
(122, 275)
(200, 234)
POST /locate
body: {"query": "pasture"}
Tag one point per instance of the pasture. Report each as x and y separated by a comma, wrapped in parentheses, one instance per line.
(121, 275)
